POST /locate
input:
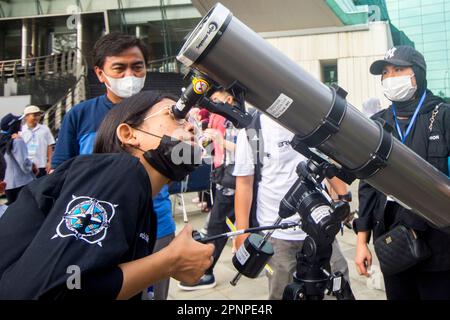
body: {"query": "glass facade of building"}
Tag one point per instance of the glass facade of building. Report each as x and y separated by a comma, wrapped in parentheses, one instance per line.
(427, 24)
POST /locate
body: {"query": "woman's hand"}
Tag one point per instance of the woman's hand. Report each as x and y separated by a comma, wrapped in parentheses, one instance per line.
(183, 259)
(191, 258)
(363, 258)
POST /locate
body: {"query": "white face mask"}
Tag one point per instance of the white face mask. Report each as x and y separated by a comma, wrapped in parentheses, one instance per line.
(125, 87)
(399, 88)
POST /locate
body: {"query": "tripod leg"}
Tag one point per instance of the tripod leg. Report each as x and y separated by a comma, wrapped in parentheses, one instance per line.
(346, 292)
(294, 291)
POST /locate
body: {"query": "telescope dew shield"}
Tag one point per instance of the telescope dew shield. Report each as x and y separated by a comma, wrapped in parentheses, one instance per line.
(226, 50)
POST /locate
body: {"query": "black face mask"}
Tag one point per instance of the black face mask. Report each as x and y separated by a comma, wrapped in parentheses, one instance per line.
(174, 158)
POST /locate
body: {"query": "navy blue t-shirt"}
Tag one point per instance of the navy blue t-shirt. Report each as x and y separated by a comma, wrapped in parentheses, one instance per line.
(93, 213)
(79, 128)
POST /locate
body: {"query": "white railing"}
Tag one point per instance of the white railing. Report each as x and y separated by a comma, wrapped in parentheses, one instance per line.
(43, 66)
(76, 94)
(170, 64)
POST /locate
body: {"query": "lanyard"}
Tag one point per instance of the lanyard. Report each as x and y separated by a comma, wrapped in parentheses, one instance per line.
(33, 135)
(411, 123)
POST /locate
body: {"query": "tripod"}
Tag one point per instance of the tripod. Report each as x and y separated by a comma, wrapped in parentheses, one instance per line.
(311, 278)
(321, 220)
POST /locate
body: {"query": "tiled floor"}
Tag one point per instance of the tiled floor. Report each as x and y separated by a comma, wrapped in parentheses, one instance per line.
(249, 289)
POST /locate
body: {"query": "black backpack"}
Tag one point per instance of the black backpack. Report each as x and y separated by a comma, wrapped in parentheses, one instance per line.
(223, 175)
(254, 137)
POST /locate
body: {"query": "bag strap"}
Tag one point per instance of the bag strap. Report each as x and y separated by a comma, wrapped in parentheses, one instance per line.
(258, 148)
(226, 125)
(256, 142)
(433, 116)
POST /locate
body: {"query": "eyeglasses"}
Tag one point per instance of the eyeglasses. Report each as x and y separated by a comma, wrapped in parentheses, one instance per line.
(180, 122)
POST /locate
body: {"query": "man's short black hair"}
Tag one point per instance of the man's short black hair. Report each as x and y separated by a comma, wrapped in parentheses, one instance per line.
(113, 44)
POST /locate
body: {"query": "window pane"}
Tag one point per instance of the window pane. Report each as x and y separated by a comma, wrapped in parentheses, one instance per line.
(433, 19)
(435, 8)
(330, 75)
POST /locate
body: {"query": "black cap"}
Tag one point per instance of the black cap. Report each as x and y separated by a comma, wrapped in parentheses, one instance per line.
(8, 120)
(401, 56)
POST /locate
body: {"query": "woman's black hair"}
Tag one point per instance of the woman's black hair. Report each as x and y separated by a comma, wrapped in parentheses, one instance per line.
(131, 111)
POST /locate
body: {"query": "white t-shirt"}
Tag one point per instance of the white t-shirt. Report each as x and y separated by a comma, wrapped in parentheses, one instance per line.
(277, 174)
(37, 139)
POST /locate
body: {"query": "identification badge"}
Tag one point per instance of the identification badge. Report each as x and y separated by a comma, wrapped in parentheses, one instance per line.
(32, 150)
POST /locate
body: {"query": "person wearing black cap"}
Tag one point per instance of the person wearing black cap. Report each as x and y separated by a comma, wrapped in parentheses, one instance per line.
(421, 121)
(19, 169)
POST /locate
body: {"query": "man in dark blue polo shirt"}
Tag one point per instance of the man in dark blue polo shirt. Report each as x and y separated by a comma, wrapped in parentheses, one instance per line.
(120, 63)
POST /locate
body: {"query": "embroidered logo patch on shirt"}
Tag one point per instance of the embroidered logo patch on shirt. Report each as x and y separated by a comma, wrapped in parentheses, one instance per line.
(434, 138)
(86, 219)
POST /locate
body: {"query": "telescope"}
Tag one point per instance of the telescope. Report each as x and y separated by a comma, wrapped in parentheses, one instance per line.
(227, 51)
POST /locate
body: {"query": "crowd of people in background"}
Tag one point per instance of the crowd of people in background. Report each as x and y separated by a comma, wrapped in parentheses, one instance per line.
(27, 150)
(98, 196)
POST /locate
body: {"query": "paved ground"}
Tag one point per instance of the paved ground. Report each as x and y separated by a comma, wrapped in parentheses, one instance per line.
(249, 289)
(257, 289)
